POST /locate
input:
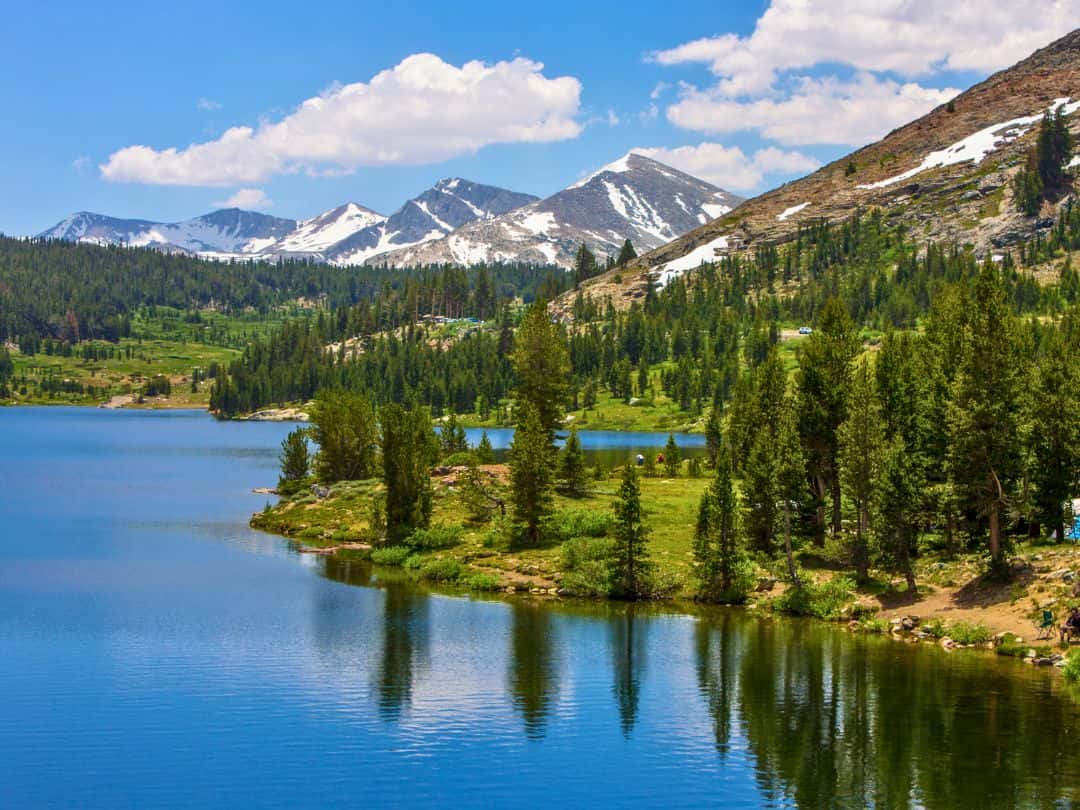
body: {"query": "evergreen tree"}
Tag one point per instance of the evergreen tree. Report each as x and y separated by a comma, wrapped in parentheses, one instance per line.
(585, 266)
(825, 375)
(714, 435)
(1028, 185)
(1055, 435)
(409, 449)
(861, 455)
(984, 414)
(484, 452)
(452, 437)
(343, 426)
(672, 459)
(572, 472)
(790, 474)
(542, 365)
(723, 569)
(295, 462)
(1054, 148)
(531, 474)
(631, 566)
(626, 254)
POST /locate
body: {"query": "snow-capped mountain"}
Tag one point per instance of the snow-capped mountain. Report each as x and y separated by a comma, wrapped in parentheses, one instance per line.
(635, 198)
(348, 234)
(448, 205)
(228, 231)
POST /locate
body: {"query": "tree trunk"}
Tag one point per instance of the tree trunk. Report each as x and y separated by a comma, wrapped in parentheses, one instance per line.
(792, 572)
(862, 556)
(995, 535)
(835, 485)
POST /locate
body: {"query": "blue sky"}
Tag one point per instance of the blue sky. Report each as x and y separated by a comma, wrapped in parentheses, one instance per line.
(744, 94)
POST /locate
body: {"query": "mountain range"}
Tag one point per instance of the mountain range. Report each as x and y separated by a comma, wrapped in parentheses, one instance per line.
(944, 177)
(455, 221)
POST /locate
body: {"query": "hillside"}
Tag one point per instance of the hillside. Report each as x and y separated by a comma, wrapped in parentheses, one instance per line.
(945, 176)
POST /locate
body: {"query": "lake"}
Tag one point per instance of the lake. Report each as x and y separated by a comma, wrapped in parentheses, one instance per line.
(155, 651)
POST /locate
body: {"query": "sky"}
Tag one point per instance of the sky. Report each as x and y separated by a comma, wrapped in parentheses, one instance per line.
(167, 111)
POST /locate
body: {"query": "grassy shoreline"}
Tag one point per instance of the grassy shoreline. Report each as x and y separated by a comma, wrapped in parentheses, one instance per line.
(955, 606)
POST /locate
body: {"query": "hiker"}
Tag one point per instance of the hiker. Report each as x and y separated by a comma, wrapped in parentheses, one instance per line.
(1071, 628)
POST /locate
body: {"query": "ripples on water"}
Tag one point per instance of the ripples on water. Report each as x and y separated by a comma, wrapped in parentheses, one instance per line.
(155, 651)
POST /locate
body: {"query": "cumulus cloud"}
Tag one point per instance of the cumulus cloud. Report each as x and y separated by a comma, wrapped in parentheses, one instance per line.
(728, 166)
(817, 111)
(246, 198)
(765, 74)
(421, 111)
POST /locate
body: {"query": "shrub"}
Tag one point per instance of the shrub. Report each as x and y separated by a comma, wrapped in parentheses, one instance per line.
(579, 523)
(1071, 669)
(441, 569)
(434, 538)
(391, 555)
(825, 600)
(310, 533)
(460, 459)
(586, 563)
(481, 582)
(414, 562)
(968, 633)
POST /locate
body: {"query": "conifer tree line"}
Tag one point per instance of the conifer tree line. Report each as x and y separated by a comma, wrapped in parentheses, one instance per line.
(53, 290)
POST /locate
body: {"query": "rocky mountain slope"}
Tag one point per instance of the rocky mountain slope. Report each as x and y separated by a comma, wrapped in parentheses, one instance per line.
(946, 176)
(348, 234)
(634, 198)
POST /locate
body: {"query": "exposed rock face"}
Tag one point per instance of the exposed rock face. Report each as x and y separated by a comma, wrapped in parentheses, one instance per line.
(945, 176)
(635, 198)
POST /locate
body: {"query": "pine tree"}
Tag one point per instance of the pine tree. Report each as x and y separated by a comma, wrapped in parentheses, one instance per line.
(1055, 437)
(861, 455)
(626, 254)
(295, 462)
(531, 474)
(484, 452)
(343, 426)
(574, 480)
(825, 375)
(1028, 185)
(409, 449)
(790, 474)
(672, 459)
(631, 556)
(723, 569)
(542, 366)
(984, 427)
(585, 266)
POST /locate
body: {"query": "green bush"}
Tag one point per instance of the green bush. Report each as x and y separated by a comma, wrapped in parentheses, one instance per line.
(873, 625)
(441, 569)
(434, 538)
(391, 555)
(481, 582)
(310, 533)
(825, 600)
(968, 633)
(586, 564)
(572, 523)
(414, 562)
(1071, 669)
(460, 459)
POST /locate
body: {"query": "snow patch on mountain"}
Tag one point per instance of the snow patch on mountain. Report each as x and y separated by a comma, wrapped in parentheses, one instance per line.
(790, 212)
(977, 146)
(708, 252)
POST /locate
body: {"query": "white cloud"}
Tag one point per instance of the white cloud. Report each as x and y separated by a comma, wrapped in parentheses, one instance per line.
(908, 37)
(762, 81)
(246, 198)
(421, 111)
(728, 166)
(817, 111)
(81, 164)
(612, 118)
(207, 104)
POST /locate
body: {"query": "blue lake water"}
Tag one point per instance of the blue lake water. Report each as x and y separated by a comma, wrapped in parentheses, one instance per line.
(155, 651)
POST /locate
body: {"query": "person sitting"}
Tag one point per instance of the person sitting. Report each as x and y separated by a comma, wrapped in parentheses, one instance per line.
(1071, 628)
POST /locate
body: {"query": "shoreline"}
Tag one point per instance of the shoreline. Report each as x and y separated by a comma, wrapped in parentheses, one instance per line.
(955, 607)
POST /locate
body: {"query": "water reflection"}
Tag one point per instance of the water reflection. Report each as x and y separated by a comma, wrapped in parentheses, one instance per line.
(533, 673)
(404, 642)
(627, 634)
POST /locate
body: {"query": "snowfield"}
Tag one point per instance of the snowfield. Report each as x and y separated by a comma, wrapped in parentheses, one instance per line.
(977, 146)
(790, 212)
